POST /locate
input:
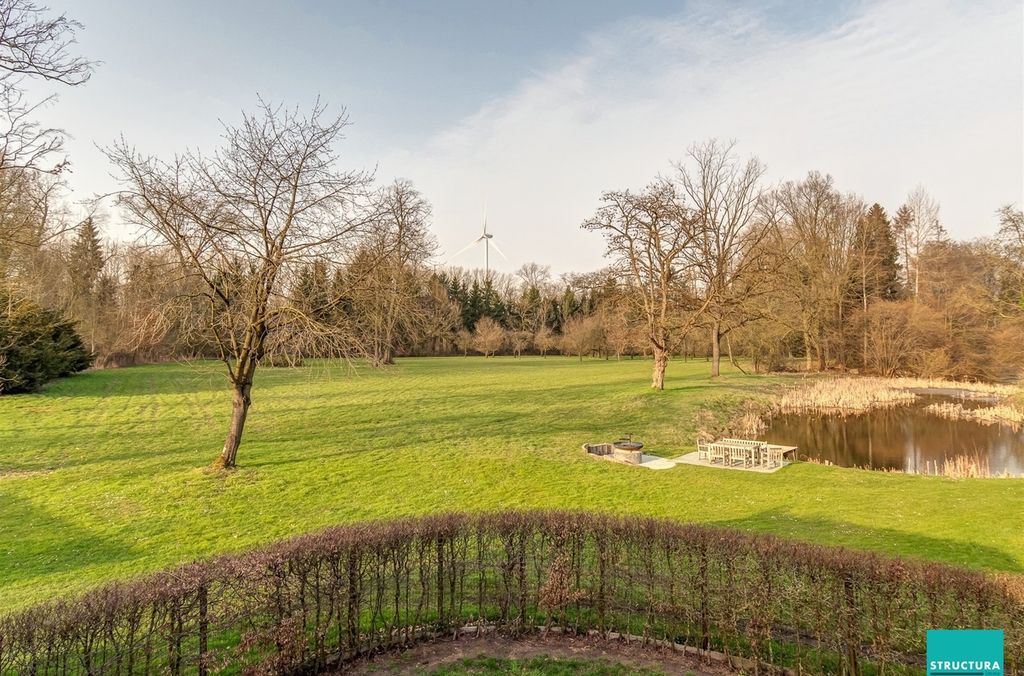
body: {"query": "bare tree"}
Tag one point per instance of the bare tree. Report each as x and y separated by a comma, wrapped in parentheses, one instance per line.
(816, 239)
(519, 341)
(582, 335)
(488, 336)
(33, 45)
(536, 287)
(620, 331)
(728, 249)
(1011, 229)
(1011, 239)
(31, 216)
(464, 341)
(388, 273)
(545, 340)
(242, 222)
(648, 235)
(922, 228)
(534, 275)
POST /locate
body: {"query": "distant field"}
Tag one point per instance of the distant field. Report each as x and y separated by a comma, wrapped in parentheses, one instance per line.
(104, 475)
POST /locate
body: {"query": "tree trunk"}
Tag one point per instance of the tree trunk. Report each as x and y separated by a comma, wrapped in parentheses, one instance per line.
(240, 403)
(732, 359)
(716, 349)
(660, 364)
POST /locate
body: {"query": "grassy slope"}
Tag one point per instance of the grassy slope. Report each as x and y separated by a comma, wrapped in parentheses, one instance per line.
(103, 475)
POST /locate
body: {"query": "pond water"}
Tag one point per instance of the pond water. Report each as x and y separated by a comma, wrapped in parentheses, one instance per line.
(904, 438)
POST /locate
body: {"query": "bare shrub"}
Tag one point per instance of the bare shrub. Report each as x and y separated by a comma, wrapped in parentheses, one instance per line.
(311, 603)
(488, 336)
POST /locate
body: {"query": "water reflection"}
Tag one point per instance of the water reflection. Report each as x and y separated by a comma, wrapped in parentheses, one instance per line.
(904, 438)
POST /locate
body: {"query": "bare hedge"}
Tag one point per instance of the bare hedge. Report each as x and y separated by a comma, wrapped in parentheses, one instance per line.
(316, 601)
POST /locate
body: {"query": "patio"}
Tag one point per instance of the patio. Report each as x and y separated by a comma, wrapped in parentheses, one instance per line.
(740, 454)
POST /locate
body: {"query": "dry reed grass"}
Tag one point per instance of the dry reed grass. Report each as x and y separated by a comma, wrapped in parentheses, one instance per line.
(992, 389)
(955, 467)
(856, 395)
(961, 467)
(1000, 414)
(844, 394)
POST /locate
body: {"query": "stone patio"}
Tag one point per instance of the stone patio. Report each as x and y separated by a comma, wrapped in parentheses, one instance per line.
(694, 459)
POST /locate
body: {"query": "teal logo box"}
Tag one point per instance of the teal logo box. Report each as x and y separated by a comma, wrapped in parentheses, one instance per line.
(965, 652)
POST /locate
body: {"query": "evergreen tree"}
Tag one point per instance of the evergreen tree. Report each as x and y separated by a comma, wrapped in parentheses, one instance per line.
(473, 307)
(85, 259)
(492, 304)
(36, 345)
(878, 269)
(313, 290)
(85, 267)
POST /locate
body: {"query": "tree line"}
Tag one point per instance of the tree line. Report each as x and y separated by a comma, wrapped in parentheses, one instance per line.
(803, 272)
(267, 251)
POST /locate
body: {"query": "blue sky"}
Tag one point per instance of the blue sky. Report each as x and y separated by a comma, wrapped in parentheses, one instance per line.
(535, 107)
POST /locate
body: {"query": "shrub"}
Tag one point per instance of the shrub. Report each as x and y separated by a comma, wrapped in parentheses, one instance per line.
(36, 346)
(316, 601)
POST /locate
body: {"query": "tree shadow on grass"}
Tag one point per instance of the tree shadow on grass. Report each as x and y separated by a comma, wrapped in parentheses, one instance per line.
(887, 541)
(39, 544)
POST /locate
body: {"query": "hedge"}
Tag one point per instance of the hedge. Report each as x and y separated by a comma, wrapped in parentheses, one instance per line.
(317, 601)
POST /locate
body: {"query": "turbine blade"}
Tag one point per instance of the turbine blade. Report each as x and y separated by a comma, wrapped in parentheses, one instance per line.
(464, 249)
(498, 250)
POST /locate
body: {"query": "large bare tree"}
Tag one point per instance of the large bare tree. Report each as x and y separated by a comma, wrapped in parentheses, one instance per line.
(817, 236)
(919, 231)
(728, 253)
(242, 222)
(33, 45)
(1011, 239)
(388, 275)
(648, 235)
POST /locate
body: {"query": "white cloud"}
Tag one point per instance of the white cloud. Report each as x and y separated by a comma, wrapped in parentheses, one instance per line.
(900, 93)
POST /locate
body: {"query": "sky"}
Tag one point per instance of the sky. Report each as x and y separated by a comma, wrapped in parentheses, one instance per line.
(530, 109)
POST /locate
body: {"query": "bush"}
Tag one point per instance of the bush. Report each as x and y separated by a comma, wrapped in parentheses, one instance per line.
(316, 601)
(36, 346)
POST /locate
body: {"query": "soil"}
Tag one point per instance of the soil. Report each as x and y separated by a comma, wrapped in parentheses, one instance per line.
(424, 658)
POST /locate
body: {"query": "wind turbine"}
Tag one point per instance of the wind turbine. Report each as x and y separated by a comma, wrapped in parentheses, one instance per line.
(488, 240)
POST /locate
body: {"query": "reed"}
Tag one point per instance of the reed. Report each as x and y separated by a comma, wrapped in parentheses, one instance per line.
(991, 389)
(857, 395)
(961, 467)
(1000, 414)
(844, 394)
(955, 467)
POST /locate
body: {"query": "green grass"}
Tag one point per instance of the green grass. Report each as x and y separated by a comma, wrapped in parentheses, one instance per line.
(539, 666)
(104, 475)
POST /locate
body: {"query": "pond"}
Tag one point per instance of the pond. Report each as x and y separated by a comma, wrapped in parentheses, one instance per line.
(904, 438)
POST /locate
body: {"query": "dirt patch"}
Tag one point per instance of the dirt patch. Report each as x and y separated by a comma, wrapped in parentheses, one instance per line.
(426, 657)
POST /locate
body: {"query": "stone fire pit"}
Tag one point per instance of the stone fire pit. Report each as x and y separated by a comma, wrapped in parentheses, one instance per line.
(623, 450)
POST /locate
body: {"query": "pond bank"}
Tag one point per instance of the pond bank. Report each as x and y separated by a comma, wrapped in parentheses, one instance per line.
(952, 429)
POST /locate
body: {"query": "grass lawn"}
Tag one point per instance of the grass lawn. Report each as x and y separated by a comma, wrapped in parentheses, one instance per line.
(104, 475)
